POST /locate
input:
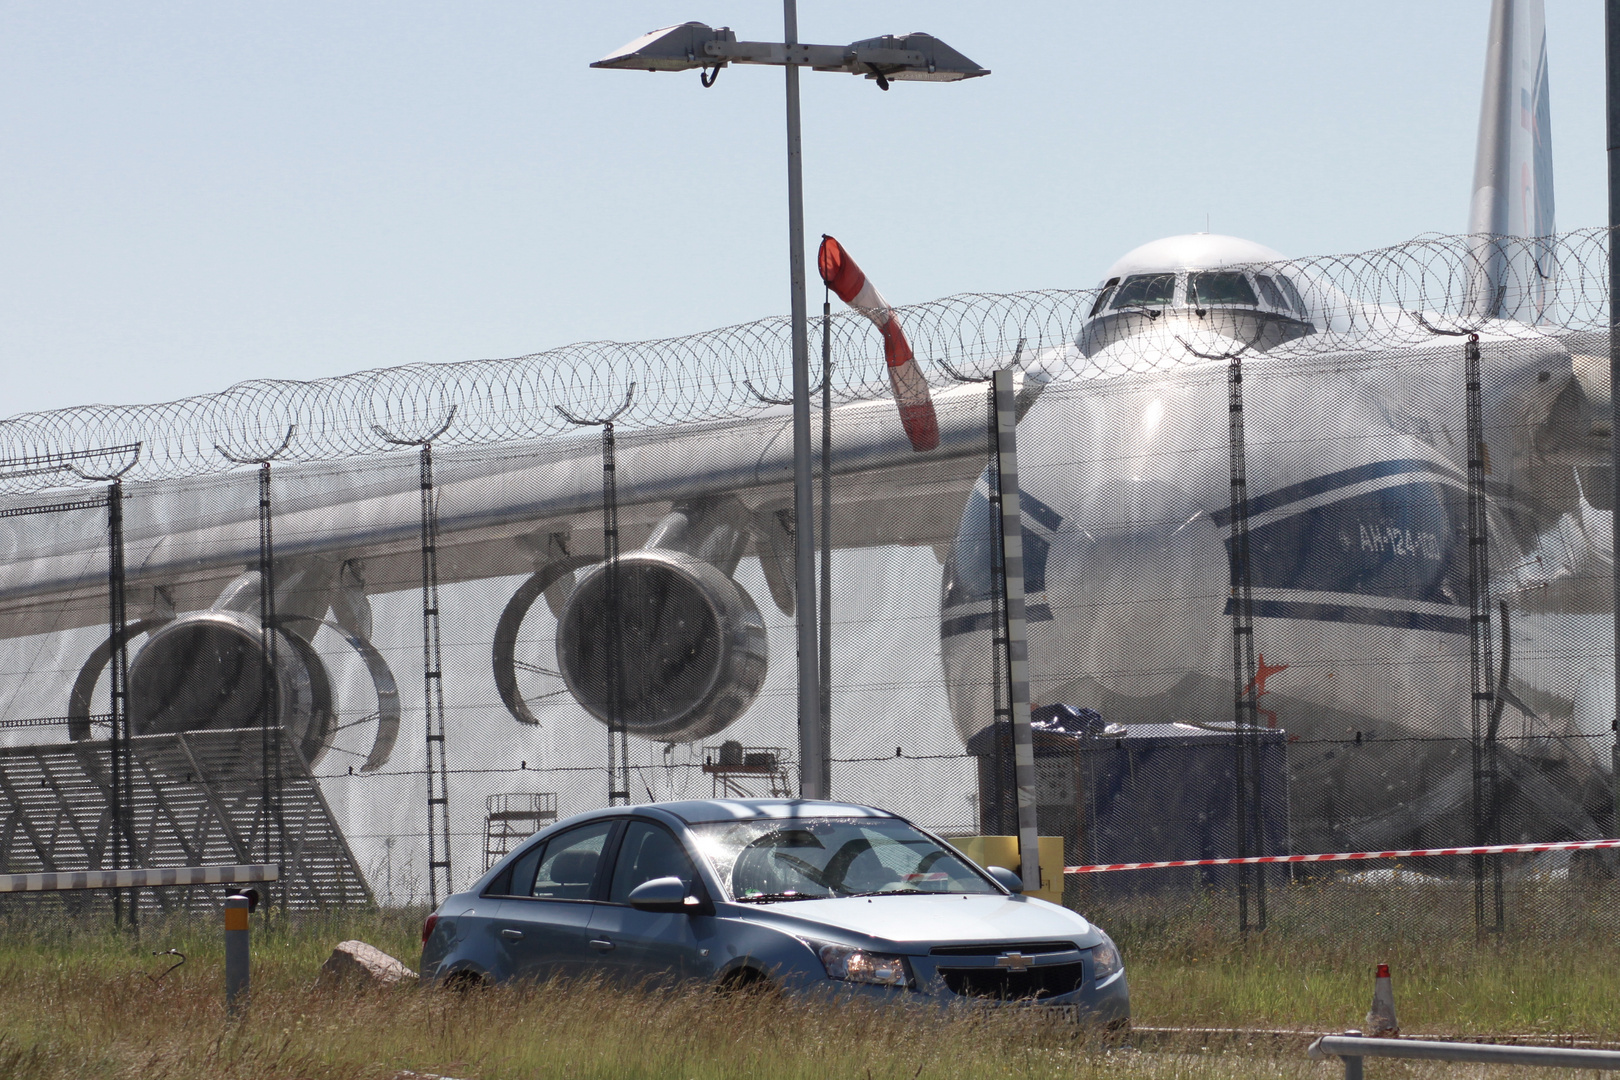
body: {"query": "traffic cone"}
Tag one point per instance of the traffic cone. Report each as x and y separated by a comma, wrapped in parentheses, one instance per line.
(1381, 1022)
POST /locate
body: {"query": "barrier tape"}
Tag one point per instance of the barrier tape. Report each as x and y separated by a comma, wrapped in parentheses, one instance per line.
(139, 879)
(1349, 856)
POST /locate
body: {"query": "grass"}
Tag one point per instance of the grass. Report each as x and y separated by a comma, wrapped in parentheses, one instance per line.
(1555, 971)
(77, 1000)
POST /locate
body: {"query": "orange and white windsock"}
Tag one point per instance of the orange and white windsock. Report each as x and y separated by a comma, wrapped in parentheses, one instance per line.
(843, 277)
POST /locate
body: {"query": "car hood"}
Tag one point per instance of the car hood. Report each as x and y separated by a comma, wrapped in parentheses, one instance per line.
(925, 921)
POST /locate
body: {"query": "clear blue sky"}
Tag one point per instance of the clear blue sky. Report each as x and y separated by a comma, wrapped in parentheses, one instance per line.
(197, 193)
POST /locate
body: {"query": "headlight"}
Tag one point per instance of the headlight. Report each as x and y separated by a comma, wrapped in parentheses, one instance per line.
(1105, 961)
(859, 966)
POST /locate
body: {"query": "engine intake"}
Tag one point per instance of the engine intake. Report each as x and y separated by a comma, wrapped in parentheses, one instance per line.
(692, 646)
(205, 671)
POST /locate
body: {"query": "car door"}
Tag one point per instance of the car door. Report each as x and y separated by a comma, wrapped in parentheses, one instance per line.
(544, 918)
(644, 946)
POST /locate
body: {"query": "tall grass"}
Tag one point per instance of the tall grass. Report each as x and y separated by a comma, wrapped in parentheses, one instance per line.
(1553, 970)
(77, 999)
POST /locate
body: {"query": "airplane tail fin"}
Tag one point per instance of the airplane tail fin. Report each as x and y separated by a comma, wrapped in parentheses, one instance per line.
(1513, 175)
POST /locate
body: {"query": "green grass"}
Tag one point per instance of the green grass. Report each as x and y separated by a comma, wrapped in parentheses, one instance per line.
(77, 1000)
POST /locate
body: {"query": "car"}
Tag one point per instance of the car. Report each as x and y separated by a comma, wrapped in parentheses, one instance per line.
(796, 895)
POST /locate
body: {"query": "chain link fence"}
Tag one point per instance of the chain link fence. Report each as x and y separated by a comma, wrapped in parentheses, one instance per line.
(1317, 557)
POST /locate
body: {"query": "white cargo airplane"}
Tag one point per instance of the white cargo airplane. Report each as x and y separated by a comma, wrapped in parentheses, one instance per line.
(1359, 490)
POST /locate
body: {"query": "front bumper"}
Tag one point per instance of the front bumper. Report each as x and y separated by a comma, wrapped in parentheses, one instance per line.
(1105, 1004)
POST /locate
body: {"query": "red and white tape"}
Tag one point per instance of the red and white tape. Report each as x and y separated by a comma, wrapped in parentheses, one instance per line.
(1349, 856)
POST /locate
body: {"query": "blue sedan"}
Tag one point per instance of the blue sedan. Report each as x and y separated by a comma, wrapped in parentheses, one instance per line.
(797, 895)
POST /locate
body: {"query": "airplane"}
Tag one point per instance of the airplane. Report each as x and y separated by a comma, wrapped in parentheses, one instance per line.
(1356, 468)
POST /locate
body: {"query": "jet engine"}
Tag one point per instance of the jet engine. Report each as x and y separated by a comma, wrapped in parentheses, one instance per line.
(664, 640)
(205, 671)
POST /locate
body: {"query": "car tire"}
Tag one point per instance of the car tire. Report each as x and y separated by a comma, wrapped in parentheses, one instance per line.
(464, 982)
(745, 981)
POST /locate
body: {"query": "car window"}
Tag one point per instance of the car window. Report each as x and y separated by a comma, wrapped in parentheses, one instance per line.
(648, 851)
(518, 879)
(569, 866)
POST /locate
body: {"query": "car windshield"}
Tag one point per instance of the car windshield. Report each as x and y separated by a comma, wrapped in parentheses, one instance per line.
(816, 858)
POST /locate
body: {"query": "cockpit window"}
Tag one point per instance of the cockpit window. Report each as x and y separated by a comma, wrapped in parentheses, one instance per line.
(1145, 290)
(1269, 290)
(1219, 287)
(1102, 297)
(1287, 286)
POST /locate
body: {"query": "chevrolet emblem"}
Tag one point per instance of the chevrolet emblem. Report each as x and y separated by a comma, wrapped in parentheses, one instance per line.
(1013, 961)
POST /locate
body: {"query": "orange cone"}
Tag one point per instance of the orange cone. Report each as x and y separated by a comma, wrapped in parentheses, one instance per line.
(1381, 1023)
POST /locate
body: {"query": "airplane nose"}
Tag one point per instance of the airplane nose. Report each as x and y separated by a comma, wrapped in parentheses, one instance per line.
(1138, 589)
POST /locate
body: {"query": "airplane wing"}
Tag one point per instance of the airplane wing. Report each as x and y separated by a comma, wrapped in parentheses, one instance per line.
(502, 510)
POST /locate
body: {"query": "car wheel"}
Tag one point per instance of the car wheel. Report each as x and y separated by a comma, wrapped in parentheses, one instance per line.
(464, 982)
(745, 981)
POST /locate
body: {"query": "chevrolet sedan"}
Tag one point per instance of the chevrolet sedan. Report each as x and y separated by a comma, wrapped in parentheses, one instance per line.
(796, 895)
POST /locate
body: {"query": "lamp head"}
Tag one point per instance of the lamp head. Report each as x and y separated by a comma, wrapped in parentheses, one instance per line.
(674, 48)
(940, 62)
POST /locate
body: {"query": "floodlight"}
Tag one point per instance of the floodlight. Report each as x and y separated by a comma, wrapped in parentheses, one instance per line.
(674, 48)
(939, 62)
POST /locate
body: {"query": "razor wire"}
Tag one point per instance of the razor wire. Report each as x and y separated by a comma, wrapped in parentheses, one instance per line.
(1400, 295)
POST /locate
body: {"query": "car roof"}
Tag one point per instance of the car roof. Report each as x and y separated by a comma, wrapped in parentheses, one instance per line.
(695, 811)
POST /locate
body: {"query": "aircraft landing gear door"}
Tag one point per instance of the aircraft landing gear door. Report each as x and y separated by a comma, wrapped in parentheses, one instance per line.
(633, 946)
(543, 922)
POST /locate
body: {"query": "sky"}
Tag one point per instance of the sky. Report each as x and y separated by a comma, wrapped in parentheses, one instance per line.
(194, 194)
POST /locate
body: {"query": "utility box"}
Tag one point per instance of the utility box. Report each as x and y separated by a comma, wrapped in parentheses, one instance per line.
(1143, 793)
(1002, 851)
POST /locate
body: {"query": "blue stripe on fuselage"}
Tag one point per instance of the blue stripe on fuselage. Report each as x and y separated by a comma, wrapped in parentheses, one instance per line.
(1318, 485)
(1316, 611)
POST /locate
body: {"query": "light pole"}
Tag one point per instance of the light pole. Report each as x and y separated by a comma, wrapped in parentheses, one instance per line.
(911, 57)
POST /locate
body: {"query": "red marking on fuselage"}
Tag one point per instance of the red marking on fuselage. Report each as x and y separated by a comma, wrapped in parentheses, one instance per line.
(1258, 683)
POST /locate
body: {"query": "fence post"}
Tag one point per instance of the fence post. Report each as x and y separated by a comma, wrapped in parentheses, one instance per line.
(236, 953)
(1012, 560)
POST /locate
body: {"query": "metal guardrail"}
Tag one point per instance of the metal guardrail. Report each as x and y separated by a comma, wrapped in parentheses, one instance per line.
(1352, 1048)
(140, 879)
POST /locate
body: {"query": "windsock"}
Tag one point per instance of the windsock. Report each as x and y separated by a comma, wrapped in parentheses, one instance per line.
(1381, 1017)
(843, 277)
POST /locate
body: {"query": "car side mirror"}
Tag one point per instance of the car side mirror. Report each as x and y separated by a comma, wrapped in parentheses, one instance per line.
(1003, 877)
(664, 894)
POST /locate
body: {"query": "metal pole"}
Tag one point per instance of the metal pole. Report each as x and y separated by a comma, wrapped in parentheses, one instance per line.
(1245, 735)
(1611, 26)
(438, 771)
(1479, 600)
(813, 773)
(1002, 821)
(273, 826)
(122, 791)
(618, 734)
(236, 954)
(1012, 547)
(826, 538)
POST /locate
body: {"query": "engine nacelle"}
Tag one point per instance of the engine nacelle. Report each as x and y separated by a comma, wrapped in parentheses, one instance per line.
(692, 646)
(205, 671)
